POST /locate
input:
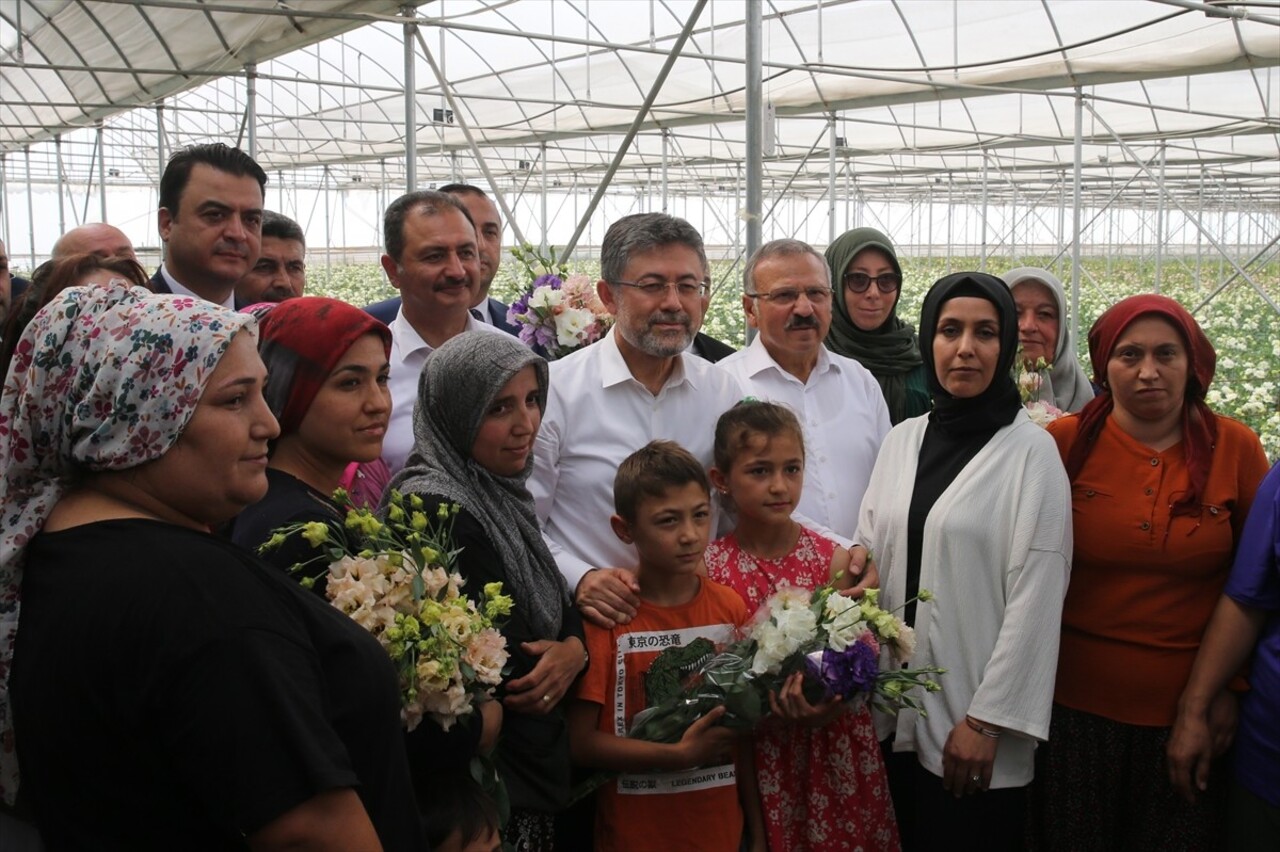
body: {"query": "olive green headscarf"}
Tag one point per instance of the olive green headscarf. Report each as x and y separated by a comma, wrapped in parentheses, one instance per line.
(891, 352)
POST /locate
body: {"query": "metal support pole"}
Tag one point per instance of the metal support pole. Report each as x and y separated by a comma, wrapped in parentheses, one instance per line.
(831, 174)
(31, 215)
(1076, 180)
(101, 173)
(641, 113)
(1160, 222)
(542, 159)
(62, 213)
(755, 128)
(4, 199)
(459, 118)
(328, 237)
(982, 259)
(410, 103)
(160, 161)
(666, 146)
(251, 109)
(1199, 239)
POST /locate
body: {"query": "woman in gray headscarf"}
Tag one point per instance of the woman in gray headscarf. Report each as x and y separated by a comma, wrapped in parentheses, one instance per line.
(1043, 333)
(480, 403)
(865, 326)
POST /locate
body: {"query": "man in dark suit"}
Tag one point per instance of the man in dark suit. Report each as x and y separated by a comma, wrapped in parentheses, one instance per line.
(210, 220)
(488, 223)
(707, 347)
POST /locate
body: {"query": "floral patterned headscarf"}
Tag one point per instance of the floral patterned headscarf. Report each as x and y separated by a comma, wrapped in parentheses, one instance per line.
(103, 378)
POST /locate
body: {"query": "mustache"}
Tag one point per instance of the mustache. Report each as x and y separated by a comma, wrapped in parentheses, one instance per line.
(798, 321)
(673, 317)
(225, 247)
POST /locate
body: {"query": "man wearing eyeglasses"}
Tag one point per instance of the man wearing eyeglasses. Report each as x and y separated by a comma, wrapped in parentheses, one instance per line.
(608, 400)
(787, 298)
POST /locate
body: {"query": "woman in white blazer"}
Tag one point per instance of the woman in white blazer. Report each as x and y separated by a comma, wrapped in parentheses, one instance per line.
(971, 503)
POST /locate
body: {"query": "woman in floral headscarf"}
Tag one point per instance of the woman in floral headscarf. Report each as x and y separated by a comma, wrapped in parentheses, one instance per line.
(156, 667)
(1160, 487)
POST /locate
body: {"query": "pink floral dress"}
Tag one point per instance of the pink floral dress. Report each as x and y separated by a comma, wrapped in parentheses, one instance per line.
(821, 789)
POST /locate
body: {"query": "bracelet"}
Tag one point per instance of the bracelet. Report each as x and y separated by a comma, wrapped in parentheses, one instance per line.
(993, 733)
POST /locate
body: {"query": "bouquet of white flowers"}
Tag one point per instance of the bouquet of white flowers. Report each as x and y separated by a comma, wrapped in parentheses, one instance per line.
(837, 642)
(559, 312)
(395, 579)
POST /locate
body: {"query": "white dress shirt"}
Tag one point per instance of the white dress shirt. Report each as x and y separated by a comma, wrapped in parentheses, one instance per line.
(408, 355)
(842, 411)
(177, 289)
(597, 415)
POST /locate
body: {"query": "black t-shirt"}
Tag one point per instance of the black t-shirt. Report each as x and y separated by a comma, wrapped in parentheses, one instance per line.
(170, 691)
(288, 501)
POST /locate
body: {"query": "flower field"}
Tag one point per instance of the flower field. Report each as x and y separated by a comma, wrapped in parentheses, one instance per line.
(1243, 328)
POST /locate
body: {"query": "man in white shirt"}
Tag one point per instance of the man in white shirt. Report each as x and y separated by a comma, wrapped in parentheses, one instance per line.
(610, 399)
(210, 219)
(433, 260)
(787, 298)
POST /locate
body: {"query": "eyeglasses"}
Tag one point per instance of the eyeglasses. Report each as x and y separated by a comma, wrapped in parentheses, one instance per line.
(657, 289)
(788, 297)
(858, 282)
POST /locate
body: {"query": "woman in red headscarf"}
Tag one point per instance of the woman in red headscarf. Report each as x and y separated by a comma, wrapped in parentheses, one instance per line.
(327, 385)
(1160, 489)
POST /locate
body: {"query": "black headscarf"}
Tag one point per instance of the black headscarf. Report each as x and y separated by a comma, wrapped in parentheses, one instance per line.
(958, 429)
(995, 406)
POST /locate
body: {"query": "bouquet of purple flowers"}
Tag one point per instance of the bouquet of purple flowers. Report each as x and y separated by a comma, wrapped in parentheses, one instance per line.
(560, 314)
(837, 642)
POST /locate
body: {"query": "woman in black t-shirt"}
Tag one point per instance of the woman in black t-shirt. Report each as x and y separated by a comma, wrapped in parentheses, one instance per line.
(168, 691)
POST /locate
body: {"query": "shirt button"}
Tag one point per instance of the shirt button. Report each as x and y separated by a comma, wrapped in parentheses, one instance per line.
(1155, 462)
(1148, 492)
(1146, 526)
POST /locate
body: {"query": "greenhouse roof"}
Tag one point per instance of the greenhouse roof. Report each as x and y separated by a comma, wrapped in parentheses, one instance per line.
(902, 96)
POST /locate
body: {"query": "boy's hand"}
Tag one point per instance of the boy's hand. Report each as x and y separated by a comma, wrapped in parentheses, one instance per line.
(608, 596)
(538, 692)
(490, 724)
(705, 743)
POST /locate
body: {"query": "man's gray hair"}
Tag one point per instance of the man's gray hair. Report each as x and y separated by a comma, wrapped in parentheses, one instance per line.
(780, 248)
(642, 232)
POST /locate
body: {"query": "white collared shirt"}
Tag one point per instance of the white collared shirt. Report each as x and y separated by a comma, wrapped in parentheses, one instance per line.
(843, 413)
(178, 290)
(408, 355)
(597, 415)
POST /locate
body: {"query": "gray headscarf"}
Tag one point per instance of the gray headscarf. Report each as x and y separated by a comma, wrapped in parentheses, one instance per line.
(459, 382)
(1065, 385)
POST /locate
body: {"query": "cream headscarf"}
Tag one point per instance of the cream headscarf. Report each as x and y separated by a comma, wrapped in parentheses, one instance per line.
(1066, 385)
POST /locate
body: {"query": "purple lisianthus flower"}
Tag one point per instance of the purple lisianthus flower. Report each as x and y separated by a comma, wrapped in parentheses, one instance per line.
(848, 672)
(544, 337)
(549, 280)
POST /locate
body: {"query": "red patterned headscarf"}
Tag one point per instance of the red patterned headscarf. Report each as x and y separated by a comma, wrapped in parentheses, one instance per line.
(1199, 425)
(301, 341)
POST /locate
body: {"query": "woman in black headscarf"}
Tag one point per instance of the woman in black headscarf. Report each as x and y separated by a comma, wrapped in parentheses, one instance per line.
(480, 403)
(971, 503)
(867, 279)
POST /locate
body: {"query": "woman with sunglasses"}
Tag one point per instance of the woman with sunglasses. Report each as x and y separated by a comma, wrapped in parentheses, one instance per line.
(867, 280)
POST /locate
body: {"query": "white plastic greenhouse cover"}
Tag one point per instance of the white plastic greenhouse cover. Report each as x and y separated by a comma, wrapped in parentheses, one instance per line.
(919, 91)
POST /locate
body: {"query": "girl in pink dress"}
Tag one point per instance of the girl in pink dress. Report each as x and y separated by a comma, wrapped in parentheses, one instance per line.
(821, 776)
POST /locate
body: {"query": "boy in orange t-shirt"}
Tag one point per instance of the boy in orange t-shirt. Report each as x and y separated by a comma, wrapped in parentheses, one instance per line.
(670, 796)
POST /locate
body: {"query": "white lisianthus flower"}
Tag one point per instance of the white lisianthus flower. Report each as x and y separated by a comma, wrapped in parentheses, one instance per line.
(545, 297)
(571, 324)
(904, 644)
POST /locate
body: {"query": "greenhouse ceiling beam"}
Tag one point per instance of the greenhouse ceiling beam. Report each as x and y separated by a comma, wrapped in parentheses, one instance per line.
(635, 127)
(295, 11)
(1215, 10)
(1190, 217)
(1250, 262)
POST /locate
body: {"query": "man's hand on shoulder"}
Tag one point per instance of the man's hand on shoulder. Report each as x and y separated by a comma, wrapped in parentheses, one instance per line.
(608, 596)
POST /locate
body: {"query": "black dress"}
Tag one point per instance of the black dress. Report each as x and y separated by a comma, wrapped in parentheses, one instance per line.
(170, 691)
(288, 501)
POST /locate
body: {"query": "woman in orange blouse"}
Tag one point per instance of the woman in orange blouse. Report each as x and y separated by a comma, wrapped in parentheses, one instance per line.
(1160, 489)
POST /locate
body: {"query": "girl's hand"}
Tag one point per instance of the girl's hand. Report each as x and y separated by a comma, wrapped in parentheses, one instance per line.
(789, 703)
(559, 664)
(967, 759)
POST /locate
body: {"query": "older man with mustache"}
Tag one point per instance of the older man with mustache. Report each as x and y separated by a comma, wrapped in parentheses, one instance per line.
(608, 400)
(787, 297)
(210, 219)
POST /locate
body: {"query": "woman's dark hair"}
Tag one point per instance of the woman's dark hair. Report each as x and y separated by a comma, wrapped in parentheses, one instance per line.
(455, 802)
(50, 279)
(751, 417)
